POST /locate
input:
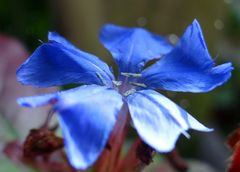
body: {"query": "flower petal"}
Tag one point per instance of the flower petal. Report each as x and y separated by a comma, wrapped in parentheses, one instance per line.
(51, 98)
(132, 47)
(188, 67)
(158, 120)
(54, 36)
(86, 123)
(58, 62)
(39, 100)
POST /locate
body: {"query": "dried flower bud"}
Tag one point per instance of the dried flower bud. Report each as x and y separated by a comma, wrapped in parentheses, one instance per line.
(41, 142)
(145, 153)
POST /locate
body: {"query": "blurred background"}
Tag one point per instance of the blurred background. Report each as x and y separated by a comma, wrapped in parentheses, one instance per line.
(23, 23)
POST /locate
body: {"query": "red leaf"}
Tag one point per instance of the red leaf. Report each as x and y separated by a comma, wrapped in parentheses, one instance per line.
(13, 150)
(235, 165)
(234, 143)
(234, 138)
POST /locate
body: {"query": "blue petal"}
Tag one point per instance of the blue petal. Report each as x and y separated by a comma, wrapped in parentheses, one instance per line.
(36, 101)
(158, 120)
(86, 123)
(188, 67)
(52, 98)
(132, 47)
(58, 62)
(54, 36)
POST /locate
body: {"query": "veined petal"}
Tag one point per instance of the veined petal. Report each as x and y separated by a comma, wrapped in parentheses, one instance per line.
(86, 123)
(158, 120)
(131, 48)
(52, 98)
(188, 67)
(58, 62)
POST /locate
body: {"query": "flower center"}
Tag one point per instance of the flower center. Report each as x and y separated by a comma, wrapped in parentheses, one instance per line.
(128, 83)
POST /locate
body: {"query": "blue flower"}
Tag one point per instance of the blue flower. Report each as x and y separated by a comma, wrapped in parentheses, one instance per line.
(87, 114)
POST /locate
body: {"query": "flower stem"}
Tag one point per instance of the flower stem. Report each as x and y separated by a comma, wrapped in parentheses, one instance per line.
(177, 161)
(48, 119)
(110, 156)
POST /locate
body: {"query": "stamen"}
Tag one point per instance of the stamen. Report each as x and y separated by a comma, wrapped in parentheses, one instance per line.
(131, 74)
(186, 134)
(117, 83)
(128, 92)
(103, 81)
(41, 41)
(138, 84)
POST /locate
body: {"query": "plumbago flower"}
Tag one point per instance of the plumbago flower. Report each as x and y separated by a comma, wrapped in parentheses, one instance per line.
(87, 114)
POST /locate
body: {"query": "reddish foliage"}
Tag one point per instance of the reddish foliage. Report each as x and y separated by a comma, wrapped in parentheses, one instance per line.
(235, 165)
(234, 144)
(13, 150)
